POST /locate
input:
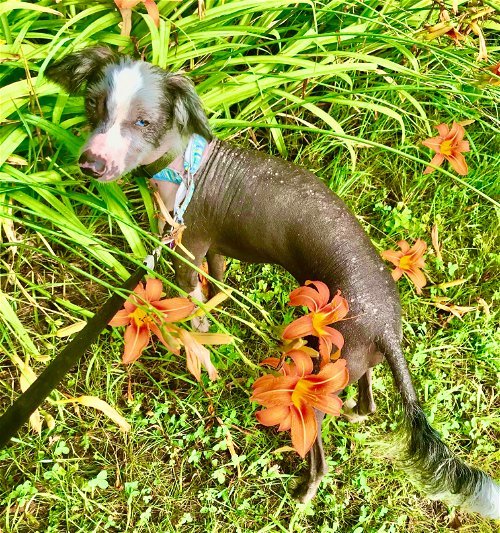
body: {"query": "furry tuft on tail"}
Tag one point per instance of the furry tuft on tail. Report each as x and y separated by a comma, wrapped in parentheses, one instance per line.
(441, 475)
(428, 461)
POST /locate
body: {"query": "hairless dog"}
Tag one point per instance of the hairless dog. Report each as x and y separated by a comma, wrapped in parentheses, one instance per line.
(253, 207)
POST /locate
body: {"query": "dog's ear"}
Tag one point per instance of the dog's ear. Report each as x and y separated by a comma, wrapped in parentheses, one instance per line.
(187, 107)
(80, 68)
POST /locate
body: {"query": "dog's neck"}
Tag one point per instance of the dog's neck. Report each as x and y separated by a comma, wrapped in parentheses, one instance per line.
(193, 155)
(177, 161)
(156, 166)
(175, 180)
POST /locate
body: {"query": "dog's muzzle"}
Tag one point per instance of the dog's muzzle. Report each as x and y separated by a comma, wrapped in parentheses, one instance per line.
(91, 165)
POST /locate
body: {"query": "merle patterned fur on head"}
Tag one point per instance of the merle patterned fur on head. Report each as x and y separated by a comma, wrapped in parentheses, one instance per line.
(138, 112)
(80, 68)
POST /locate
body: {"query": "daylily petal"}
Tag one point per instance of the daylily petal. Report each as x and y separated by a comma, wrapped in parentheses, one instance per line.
(123, 4)
(392, 255)
(303, 363)
(273, 398)
(120, 319)
(405, 247)
(299, 328)
(304, 429)
(333, 377)
(270, 383)
(396, 273)
(153, 11)
(171, 343)
(323, 292)
(337, 309)
(457, 161)
(437, 161)
(153, 289)
(325, 348)
(418, 249)
(174, 309)
(273, 362)
(457, 133)
(139, 294)
(130, 305)
(418, 278)
(286, 422)
(277, 364)
(136, 339)
(193, 364)
(443, 130)
(305, 296)
(463, 146)
(335, 337)
(329, 404)
(273, 415)
(263, 383)
(433, 144)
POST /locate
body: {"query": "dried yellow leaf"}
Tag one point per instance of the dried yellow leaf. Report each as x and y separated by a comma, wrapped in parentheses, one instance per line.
(104, 407)
(71, 329)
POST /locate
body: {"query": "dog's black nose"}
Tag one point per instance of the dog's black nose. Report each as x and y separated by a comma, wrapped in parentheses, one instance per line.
(91, 165)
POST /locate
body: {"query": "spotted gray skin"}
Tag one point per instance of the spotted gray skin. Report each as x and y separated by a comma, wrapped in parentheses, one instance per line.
(261, 209)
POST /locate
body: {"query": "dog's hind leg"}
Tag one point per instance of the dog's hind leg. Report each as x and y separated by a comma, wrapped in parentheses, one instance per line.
(308, 484)
(366, 403)
(316, 462)
(358, 412)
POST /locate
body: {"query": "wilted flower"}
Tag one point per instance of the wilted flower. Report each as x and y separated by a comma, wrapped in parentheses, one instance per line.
(449, 145)
(150, 6)
(197, 356)
(125, 7)
(322, 313)
(290, 399)
(488, 78)
(145, 313)
(408, 261)
(495, 69)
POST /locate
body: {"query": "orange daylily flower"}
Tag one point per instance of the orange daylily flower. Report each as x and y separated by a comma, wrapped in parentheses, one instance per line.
(449, 145)
(408, 261)
(145, 313)
(322, 313)
(290, 399)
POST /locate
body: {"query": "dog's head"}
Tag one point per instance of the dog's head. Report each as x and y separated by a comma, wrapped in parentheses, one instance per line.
(138, 112)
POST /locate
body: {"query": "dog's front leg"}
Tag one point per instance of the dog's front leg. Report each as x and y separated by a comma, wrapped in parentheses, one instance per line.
(316, 468)
(187, 278)
(216, 266)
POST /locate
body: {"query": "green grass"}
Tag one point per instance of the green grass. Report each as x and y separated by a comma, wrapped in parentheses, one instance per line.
(346, 89)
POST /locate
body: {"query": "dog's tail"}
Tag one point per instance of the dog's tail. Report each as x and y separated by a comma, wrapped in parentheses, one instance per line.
(428, 461)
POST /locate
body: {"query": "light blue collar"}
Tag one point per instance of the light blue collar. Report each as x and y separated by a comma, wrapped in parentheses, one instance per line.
(193, 157)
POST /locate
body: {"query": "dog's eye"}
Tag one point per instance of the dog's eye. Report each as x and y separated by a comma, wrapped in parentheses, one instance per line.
(141, 123)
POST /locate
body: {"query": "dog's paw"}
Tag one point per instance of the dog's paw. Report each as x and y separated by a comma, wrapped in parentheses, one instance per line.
(350, 412)
(200, 323)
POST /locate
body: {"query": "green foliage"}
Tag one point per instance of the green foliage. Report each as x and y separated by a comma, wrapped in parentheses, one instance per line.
(346, 89)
